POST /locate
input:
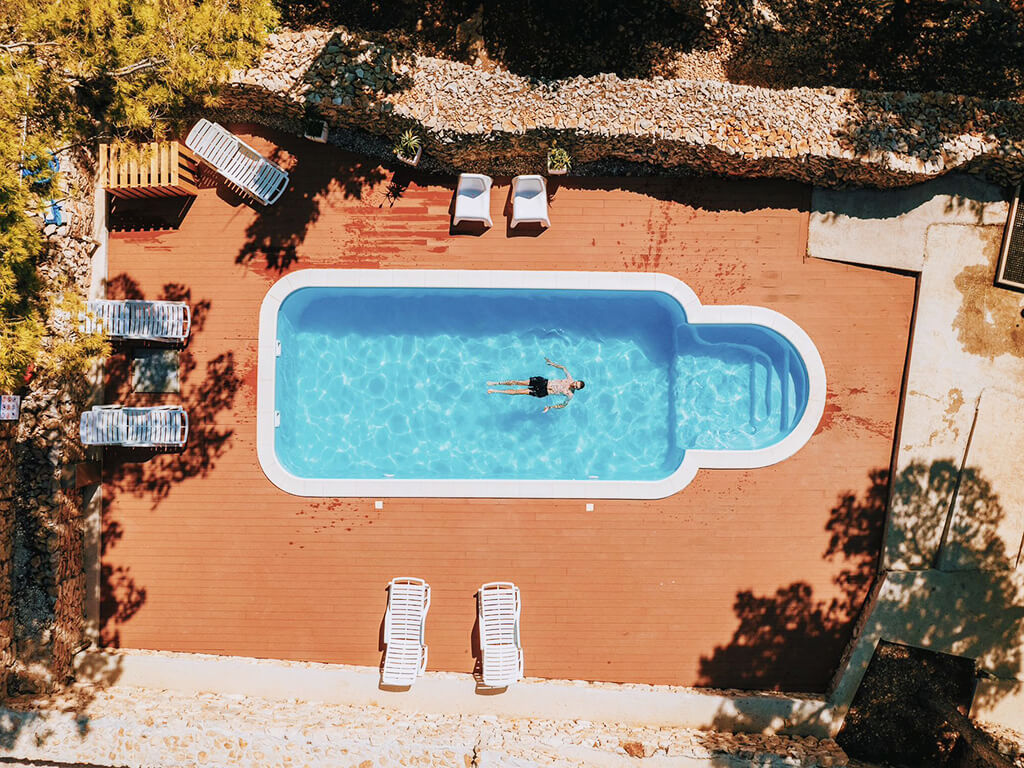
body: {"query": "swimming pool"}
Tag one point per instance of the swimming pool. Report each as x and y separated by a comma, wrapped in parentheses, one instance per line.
(374, 383)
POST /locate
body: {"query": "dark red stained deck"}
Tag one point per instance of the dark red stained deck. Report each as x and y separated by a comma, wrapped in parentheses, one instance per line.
(743, 579)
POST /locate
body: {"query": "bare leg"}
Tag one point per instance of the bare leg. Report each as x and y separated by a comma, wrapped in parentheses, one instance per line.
(508, 383)
(508, 391)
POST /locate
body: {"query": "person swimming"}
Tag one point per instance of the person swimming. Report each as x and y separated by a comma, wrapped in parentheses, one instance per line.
(538, 386)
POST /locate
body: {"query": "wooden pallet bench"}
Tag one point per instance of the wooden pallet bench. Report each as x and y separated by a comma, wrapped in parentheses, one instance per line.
(154, 169)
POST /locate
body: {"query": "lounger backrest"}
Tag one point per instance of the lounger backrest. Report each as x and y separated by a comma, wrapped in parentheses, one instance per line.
(499, 614)
(237, 161)
(529, 184)
(157, 426)
(473, 182)
(103, 425)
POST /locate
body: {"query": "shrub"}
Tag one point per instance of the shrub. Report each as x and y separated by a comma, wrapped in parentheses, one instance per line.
(408, 145)
(558, 158)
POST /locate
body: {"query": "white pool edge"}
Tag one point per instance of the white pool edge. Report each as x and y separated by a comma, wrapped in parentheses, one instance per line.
(693, 459)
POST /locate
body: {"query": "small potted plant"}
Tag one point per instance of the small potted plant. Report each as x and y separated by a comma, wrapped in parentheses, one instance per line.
(559, 161)
(408, 148)
(314, 127)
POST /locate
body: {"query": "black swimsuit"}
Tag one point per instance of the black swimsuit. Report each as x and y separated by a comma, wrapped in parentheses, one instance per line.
(538, 386)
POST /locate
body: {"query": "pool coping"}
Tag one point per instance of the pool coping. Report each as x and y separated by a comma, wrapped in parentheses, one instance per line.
(693, 459)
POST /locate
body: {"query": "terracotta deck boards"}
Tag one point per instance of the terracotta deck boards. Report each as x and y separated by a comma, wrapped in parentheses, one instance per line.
(746, 578)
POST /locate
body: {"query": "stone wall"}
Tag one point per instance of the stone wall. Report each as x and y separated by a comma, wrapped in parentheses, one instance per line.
(498, 122)
(41, 523)
(49, 603)
(6, 565)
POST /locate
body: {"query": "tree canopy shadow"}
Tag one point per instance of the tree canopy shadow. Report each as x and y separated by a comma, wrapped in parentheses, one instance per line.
(968, 48)
(362, 71)
(276, 235)
(792, 640)
(965, 597)
(982, 617)
(152, 473)
(120, 596)
(535, 38)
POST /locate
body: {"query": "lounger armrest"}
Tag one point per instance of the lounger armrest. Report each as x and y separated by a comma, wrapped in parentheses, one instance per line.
(387, 623)
(423, 661)
(423, 618)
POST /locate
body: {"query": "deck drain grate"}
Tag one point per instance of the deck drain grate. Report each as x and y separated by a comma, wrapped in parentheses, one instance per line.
(1010, 273)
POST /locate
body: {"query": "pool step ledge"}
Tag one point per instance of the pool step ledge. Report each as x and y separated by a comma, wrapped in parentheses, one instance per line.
(456, 693)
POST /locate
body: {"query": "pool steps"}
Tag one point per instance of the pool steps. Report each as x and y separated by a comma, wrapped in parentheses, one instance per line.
(783, 372)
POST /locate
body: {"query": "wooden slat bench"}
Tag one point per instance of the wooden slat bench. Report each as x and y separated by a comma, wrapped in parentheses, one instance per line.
(154, 169)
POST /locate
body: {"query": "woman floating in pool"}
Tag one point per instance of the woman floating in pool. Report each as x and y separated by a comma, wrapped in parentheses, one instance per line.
(538, 386)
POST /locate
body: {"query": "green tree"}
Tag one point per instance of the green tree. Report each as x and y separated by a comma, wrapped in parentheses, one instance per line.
(72, 71)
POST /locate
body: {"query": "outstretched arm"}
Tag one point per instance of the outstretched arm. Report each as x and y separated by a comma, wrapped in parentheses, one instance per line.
(556, 365)
(560, 405)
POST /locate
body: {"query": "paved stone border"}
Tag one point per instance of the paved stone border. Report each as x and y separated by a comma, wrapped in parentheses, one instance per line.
(450, 693)
(124, 726)
(497, 122)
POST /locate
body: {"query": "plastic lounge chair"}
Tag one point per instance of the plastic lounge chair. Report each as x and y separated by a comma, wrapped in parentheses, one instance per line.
(473, 199)
(152, 427)
(499, 608)
(529, 200)
(237, 162)
(405, 657)
(168, 321)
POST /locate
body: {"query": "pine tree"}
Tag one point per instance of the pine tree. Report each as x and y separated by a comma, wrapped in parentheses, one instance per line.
(73, 71)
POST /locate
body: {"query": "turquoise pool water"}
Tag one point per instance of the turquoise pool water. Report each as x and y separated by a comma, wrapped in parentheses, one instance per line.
(391, 382)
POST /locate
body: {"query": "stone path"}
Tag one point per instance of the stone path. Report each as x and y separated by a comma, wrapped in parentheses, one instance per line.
(126, 726)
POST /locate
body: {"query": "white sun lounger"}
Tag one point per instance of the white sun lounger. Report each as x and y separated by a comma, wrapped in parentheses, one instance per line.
(138, 320)
(405, 657)
(237, 162)
(499, 607)
(529, 200)
(155, 426)
(473, 199)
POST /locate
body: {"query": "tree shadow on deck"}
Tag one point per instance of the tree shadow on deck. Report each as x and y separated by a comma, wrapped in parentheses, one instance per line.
(792, 640)
(361, 73)
(153, 473)
(965, 599)
(276, 235)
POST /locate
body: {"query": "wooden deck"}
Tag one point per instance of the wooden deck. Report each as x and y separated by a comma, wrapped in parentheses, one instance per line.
(746, 578)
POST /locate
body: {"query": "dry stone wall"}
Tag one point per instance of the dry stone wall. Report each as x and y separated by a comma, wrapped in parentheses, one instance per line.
(42, 576)
(6, 565)
(499, 122)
